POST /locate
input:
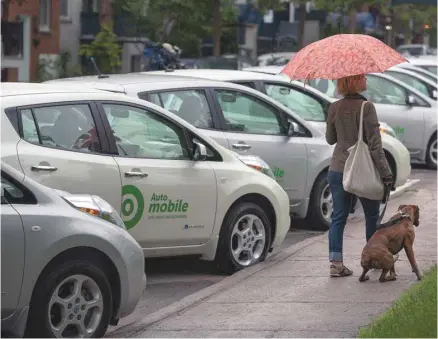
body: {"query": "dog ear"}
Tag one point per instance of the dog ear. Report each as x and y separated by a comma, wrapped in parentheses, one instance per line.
(417, 215)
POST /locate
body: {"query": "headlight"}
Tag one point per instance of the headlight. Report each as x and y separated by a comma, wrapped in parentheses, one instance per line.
(257, 163)
(96, 206)
(384, 128)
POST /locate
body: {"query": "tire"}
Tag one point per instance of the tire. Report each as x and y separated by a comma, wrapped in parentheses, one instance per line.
(432, 145)
(315, 217)
(60, 277)
(225, 260)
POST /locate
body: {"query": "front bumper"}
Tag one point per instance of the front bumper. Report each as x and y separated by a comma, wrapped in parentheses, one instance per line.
(133, 282)
(402, 160)
(283, 219)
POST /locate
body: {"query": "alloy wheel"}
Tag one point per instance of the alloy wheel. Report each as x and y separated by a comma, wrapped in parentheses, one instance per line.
(248, 240)
(433, 151)
(326, 203)
(75, 308)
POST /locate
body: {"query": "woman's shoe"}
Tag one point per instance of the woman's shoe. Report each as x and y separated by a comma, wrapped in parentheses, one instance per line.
(339, 271)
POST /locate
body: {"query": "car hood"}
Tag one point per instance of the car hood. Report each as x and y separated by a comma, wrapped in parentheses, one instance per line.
(319, 125)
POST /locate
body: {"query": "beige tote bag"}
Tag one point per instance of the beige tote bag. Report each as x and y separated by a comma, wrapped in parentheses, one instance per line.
(361, 177)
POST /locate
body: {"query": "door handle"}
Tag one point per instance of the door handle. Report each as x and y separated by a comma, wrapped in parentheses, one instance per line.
(135, 174)
(241, 146)
(47, 168)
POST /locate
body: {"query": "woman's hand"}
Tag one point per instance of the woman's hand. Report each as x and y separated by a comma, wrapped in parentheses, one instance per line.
(389, 180)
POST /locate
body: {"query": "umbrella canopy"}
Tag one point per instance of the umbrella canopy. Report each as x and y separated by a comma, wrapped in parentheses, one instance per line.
(342, 55)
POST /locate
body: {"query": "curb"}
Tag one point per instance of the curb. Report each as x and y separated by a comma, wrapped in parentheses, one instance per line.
(403, 188)
(129, 331)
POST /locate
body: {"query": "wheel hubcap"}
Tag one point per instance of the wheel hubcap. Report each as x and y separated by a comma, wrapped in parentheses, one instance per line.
(433, 151)
(248, 240)
(326, 203)
(75, 308)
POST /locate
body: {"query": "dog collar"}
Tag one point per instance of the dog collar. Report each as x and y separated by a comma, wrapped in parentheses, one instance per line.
(394, 221)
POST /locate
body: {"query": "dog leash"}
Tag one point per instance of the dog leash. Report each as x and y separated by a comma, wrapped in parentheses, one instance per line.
(386, 194)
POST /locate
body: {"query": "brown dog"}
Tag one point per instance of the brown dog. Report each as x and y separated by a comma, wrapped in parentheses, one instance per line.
(388, 240)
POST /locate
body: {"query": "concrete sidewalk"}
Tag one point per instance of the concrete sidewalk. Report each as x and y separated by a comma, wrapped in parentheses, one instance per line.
(291, 294)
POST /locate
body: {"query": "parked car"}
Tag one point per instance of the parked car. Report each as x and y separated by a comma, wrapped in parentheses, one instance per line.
(246, 120)
(310, 104)
(69, 267)
(427, 63)
(410, 113)
(178, 191)
(420, 71)
(276, 58)
(416, 50)
(415, 80)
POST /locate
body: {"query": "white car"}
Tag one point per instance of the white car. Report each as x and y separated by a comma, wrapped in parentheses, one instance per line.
(310, 104)
(69, 267)
(178, 191)
(428, 63)
(411, 114)
(419, 82)
(246, 120)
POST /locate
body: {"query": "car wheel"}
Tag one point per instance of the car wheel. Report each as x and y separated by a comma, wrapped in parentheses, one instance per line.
(321, 204)
(244, 238)
(73, 299)
(431, 156)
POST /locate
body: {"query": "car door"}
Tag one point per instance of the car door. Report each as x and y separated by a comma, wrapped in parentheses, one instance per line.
(13, 248)
(168, 199)
(392, 107)
(63, 147)
(194, 105)
(254, 126)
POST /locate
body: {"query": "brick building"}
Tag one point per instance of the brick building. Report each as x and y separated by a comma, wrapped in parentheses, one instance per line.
(30, 34)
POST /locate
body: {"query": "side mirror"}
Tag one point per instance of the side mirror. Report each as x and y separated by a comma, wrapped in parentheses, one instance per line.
(291, 128)
(411, 100)
(199, 151)
(3, 198)
(434, 94)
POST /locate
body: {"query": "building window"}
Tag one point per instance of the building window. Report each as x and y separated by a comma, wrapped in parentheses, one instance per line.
(91, 6)
(65, 12)
(45, 15)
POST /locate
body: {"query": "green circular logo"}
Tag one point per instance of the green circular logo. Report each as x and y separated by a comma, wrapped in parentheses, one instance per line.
(132, 205)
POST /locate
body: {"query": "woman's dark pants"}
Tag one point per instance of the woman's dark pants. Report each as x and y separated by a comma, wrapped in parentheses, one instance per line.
(341, 208)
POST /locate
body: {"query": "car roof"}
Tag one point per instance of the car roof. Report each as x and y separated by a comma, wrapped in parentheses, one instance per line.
(235, 75)
(413, 74)
(25, 88)
(152, 80)
(424, 60)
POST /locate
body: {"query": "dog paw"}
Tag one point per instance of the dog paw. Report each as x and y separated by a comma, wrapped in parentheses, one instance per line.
(364, 278)
(419, 277)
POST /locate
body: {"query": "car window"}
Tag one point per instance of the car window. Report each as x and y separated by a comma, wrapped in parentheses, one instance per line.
(142, 134)
(14, 193)
(247, 114)
(328, 87)
(432, 69)
(69, 127)
(384, 91)
(303, 104)
(411, 81)
(190, 105)
(247, 84)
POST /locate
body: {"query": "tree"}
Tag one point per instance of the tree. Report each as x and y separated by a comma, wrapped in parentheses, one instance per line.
(216, 27)
(105, 49)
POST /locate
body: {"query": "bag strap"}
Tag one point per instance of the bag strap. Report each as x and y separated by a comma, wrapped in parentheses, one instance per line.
(360, 136)
(386, 194)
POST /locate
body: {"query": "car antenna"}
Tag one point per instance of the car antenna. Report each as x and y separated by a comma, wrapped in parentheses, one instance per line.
(100, 75)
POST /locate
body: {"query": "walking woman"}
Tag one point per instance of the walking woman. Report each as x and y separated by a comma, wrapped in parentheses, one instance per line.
(342, 130)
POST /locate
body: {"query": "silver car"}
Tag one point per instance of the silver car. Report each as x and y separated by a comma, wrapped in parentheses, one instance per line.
(411, 114)
(65, 272)
(419, 82)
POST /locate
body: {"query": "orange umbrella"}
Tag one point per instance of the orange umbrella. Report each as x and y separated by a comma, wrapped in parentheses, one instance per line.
(342, 55)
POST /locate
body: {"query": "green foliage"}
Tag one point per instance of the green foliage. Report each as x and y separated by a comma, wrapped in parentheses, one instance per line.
(413, 315)
(59, 68)
(105, 49)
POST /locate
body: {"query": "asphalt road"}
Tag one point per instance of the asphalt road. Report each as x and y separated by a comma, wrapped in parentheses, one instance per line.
(170, 280)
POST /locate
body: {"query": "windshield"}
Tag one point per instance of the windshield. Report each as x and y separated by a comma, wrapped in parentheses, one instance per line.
(301, 103)
(411, 81)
